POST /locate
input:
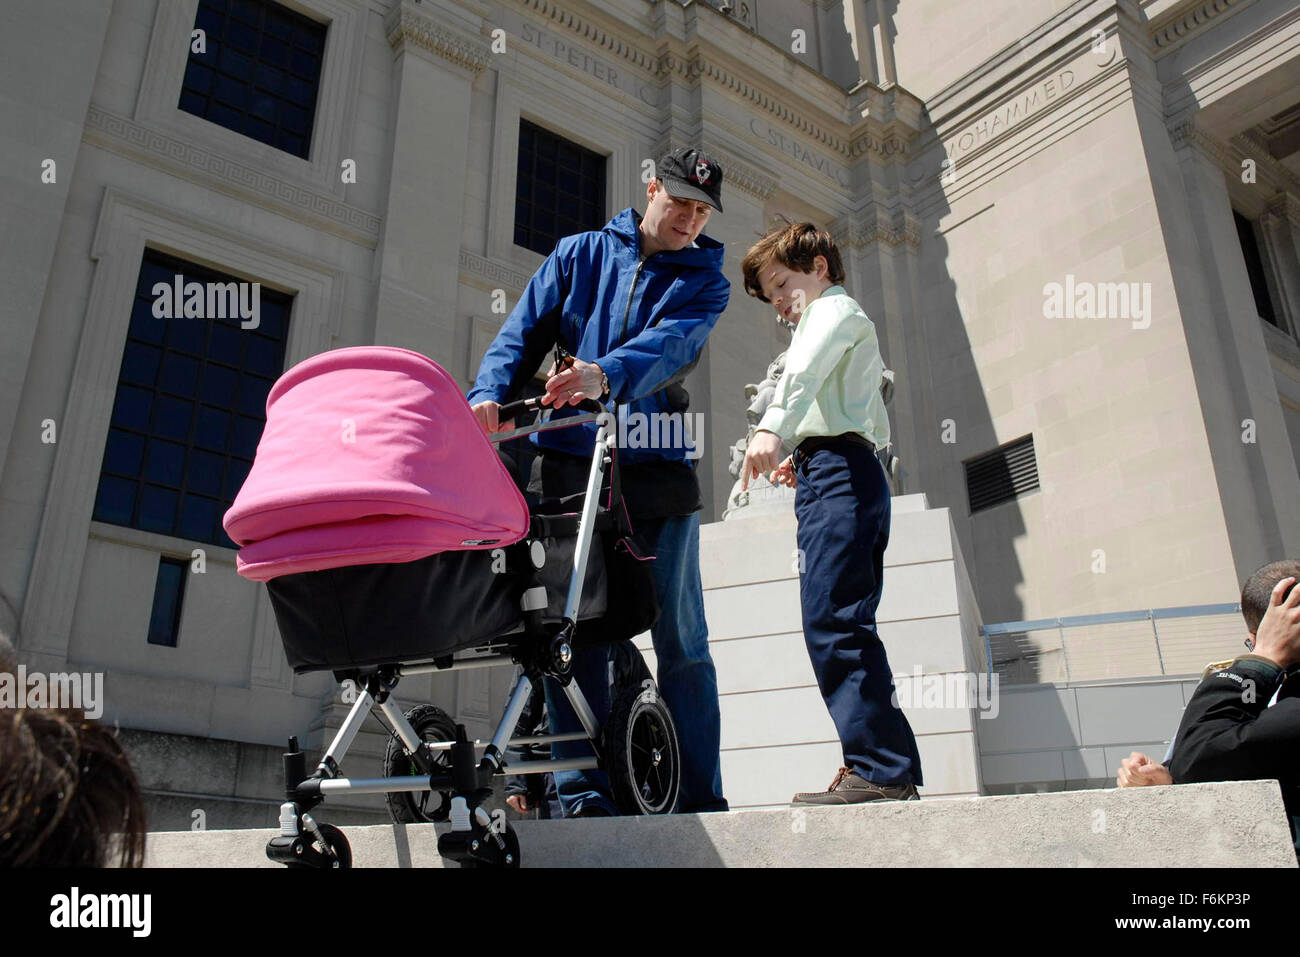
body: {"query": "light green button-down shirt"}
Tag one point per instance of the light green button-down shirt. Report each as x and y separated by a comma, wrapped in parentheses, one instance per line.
(832, 375)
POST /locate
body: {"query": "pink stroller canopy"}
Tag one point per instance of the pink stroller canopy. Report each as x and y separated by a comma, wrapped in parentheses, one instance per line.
(370, 454)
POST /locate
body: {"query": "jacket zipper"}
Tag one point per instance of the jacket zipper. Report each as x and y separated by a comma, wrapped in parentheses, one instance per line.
(631, 294)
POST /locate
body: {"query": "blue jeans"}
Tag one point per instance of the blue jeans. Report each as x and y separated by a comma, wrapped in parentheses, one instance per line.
(842, 505)
(687, 680)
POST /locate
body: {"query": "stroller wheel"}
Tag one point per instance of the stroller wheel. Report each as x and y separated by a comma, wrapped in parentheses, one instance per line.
(431, 723)
(641, 752)
(507, 857)
(338, 844)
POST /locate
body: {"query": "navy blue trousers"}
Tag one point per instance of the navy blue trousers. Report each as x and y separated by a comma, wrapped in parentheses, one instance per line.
(842, 504)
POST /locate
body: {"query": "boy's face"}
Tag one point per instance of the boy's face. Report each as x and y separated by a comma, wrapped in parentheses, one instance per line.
(790, 291)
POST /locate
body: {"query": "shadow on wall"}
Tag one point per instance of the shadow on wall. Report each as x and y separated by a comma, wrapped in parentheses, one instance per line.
(940, 403)
(837, 47)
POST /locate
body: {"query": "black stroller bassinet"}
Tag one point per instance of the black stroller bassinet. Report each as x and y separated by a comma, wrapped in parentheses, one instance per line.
(358, 616)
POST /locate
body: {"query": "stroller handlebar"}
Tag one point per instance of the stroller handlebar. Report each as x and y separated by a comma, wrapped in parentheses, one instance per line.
(567, 422)
(508, 411)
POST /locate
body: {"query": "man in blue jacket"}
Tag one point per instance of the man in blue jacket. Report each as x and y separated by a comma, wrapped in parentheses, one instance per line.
(634, 302)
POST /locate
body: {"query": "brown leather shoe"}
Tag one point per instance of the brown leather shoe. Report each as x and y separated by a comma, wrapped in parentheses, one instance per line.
(850, 788)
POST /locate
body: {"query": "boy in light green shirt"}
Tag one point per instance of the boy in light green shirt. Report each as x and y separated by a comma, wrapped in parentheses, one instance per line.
(828, 407)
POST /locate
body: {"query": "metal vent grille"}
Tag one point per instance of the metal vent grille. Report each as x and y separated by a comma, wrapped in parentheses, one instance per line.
(1007, 472)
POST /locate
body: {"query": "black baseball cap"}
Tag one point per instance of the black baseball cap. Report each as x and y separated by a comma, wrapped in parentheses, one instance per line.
(691, 174)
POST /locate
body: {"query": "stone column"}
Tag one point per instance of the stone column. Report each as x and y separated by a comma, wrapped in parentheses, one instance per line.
(858, 23)
(435, 62)
(1281, 226)
(888, 73)
(1257, 479)
(43, 121)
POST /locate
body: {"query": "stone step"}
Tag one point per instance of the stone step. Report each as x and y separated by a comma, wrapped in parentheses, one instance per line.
(1191, 825)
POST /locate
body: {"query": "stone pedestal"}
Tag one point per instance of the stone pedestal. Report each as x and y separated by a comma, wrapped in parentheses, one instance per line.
(777, 737)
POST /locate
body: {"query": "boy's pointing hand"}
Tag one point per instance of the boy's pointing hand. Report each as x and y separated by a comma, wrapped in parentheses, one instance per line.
(762, 455)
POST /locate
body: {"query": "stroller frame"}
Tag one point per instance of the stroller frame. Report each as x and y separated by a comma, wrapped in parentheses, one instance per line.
(477, 838)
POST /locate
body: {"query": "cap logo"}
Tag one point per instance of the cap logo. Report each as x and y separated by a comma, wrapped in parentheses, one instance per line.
(702, 172)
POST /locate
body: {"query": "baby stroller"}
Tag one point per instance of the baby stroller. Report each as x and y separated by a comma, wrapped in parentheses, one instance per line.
(393, 542)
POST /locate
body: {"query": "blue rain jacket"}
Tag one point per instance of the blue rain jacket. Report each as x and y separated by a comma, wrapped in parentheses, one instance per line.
(644, 321)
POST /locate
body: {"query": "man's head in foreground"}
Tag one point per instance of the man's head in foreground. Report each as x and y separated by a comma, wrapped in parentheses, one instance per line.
(680, 200)
(68, 796)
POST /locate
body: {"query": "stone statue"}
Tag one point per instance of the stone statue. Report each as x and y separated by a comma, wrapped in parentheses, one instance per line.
(760, 491)
(762, 496)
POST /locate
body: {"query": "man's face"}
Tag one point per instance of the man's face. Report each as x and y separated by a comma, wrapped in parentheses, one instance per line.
(790, 291)
(670, 223)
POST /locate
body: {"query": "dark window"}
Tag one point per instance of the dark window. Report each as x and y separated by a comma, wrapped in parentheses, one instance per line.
(560, 189)
(1006, 473)
(168, 595)
(1255, 267)
(190, 407)
(259, 73)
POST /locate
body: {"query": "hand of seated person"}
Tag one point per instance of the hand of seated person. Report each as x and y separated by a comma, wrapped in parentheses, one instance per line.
(1138, 770)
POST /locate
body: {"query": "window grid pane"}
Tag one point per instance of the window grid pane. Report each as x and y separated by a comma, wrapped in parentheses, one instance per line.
(1254, 258)
(259, 74)
(560, 189)
(168, 596)
(178, 449)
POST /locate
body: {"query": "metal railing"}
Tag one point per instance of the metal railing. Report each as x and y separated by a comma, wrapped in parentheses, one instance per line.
(1124, 644)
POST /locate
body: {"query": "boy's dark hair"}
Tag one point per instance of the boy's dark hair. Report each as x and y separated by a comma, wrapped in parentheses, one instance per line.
(67, 792)
(794, 246)
(1258, 590)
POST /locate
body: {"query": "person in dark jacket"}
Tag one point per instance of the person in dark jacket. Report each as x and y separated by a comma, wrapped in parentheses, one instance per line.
(1229, 732)
(634, 303)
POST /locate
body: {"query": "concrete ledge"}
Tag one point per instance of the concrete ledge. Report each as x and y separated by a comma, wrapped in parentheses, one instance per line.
(1232, 824)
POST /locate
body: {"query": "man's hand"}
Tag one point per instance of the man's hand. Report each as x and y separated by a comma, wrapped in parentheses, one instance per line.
(519, 802)
(1137, 770)
(486, 413)
(570, 386)
(763, 454)
(1278, 635)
